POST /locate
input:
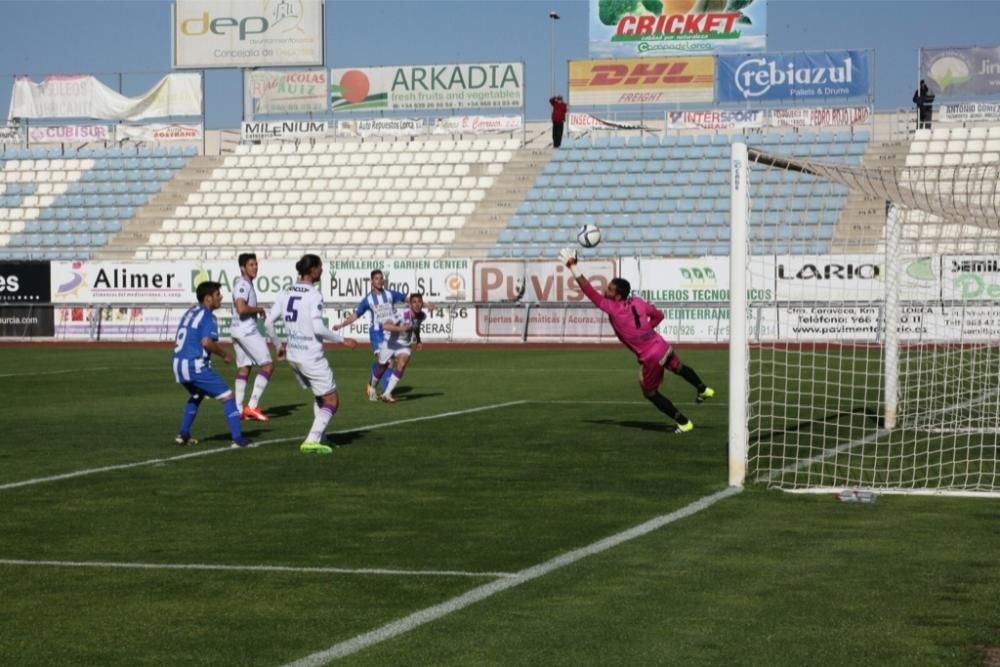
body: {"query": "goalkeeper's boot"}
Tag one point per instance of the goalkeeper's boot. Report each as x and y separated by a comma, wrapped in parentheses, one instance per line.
(372, 394)
(704, 395)
(185, 440)
(255, 414)
(315, 448)
(685, 428)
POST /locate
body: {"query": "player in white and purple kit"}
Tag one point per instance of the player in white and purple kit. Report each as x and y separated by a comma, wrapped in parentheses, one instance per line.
(251, 348)
(197, 339)
(634, 322)
(403, 330)
(380, 304)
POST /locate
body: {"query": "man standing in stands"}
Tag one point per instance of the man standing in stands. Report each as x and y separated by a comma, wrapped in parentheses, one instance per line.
(924, 99)
(558, 119)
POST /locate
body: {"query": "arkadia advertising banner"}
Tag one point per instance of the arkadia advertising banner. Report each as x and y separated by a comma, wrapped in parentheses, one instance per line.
(426, 87)
(961, 72)
(299, 91)
(247, 33)
(826, 75)
(666, 27)
(641, 81)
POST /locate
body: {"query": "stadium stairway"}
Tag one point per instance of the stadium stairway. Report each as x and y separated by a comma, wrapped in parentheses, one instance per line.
(500, 202)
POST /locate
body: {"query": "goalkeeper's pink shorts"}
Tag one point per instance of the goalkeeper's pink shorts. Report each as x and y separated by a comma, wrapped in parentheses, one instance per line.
(654, 361)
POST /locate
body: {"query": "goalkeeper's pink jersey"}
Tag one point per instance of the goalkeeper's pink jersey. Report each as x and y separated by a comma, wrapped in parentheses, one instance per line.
(633, 320)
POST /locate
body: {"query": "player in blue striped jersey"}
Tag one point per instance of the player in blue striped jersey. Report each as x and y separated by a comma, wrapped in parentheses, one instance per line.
(196, 341)
(379, 304)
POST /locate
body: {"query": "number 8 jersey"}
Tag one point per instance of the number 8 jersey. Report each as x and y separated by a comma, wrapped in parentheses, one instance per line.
(300, 307)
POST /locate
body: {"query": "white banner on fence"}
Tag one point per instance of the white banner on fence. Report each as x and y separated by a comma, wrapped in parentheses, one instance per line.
(477, 125)
(247, 33)
(70, 134)
(86, 97)
(577, 123)
(160, 132)
(266, 130)
(819, 117)
(967, 112)
(11, 134)
(120, 282)
(714, 120)
(375, 127)
(299, 91)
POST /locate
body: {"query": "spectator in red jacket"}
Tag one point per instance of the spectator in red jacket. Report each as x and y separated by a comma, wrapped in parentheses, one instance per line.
(558, 119)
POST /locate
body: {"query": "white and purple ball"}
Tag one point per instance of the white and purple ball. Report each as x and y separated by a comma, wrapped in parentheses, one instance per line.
(588, 236)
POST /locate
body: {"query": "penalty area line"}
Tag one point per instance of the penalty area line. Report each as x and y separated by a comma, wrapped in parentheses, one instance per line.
(216, 450)
(480, 593)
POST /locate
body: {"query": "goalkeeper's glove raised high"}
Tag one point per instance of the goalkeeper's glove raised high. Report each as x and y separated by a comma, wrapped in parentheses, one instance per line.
(568, 257)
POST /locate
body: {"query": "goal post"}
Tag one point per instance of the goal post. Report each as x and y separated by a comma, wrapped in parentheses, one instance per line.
(864, 325)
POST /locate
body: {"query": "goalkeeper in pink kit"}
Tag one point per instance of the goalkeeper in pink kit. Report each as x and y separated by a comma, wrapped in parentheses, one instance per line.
(634, 322)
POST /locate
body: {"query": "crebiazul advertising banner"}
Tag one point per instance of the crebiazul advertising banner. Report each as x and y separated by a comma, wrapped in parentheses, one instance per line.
(86, 97)
(421, 87)
(800, 77)
(961, 72)
(301, 91)
(636, 28)
(247, 33)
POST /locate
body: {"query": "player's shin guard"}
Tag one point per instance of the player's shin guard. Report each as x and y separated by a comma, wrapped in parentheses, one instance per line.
(394, 379)
(323, 414)
(190, 412)
(240, 390)
(233, 417)
(664, 405)
(259, 385)
(688, 374)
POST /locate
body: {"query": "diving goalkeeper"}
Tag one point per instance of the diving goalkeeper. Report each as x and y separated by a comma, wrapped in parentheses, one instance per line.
(634, 322)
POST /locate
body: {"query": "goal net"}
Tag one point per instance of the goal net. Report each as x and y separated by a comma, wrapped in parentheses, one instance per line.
(869, 354)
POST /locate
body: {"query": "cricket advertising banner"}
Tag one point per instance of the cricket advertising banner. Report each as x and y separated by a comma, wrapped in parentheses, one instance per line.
(786, 77)
(630, 28)
(85, 97)
(961, 72)
(283, 130)
(715, 120)
(300, 91)
(478, 125)
(642, 81)
(819, 117)
(425, 87)
(160, 132)
(70, 134)
(247, 33)
(967, 112)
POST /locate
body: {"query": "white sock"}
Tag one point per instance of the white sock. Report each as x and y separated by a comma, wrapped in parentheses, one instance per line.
(391, 383)
(241, 389)
(259, 385)
(323, 416)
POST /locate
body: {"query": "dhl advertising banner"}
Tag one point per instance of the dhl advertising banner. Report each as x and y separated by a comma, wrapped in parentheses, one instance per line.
(641, 81)
(629, 28)
(422, 87)
(299, 91)
(247, 33)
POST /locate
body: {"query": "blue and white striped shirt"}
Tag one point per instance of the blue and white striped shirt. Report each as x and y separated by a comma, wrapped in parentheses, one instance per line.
(190, 356)
(379, 306)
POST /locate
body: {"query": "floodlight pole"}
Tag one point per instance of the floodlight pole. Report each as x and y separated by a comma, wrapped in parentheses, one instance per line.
(553, 17)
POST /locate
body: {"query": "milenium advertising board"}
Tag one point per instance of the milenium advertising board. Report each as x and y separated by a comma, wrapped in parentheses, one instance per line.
(630, 28)
(824, 75)
(247, 33)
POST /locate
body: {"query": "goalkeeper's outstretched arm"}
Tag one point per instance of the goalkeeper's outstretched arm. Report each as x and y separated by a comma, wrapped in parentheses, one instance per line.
(568, 257)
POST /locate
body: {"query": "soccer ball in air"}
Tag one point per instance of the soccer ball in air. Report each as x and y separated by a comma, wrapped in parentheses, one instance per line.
(588, 236)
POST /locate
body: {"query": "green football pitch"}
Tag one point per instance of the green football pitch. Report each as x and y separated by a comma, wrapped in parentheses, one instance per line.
(515, 507)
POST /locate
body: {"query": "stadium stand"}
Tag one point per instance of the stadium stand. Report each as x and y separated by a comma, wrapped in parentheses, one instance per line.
(67, 206)
(670, 196)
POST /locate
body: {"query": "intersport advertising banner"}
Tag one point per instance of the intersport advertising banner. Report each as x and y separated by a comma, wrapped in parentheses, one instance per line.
(86, 97)
(961, 72)
(715, 120)
(299, 91)
(630, 28)
(425, 87)
(247, 33)
(641, 81)
(786, 77)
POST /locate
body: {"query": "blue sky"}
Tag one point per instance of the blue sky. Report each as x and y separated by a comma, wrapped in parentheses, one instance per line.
(68, 37)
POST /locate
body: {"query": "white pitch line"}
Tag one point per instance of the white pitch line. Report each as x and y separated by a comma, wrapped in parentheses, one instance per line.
(435, 612)
(251, 568)
(569, 402)
(62, 372)
(216, 450)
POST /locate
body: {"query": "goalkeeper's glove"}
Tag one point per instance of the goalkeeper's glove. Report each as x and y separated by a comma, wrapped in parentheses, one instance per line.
(568, 257)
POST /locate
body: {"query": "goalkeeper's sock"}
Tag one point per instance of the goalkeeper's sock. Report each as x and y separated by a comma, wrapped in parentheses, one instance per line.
(233, 417)
(664, 405)
(241, 390)
(190, 412)
(324, 414)
(259, 385)
(393, 380)
(688, 374)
